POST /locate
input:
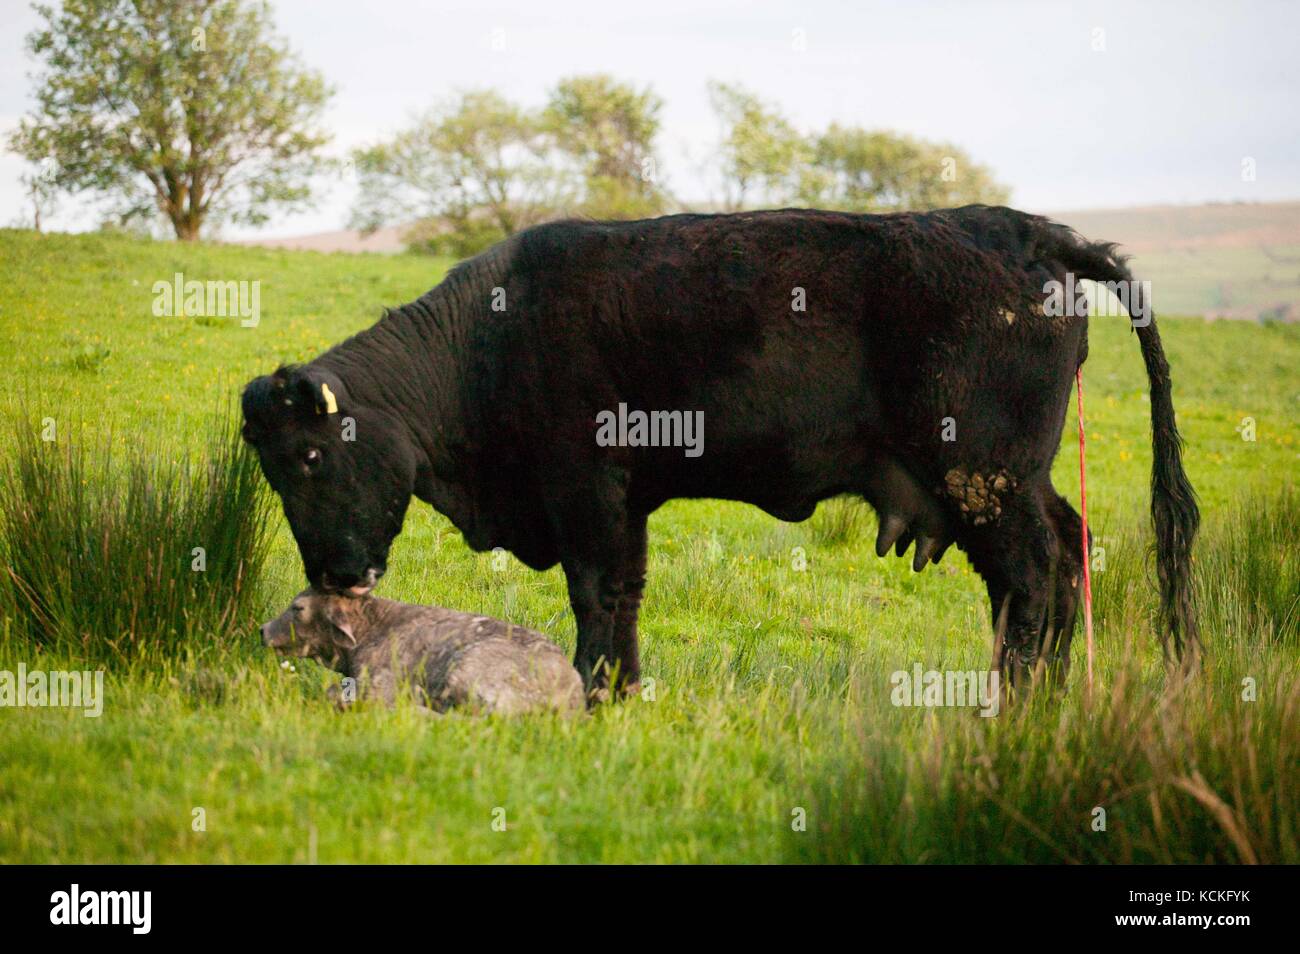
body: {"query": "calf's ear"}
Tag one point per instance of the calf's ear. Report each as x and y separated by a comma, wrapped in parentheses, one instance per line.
(342, 625)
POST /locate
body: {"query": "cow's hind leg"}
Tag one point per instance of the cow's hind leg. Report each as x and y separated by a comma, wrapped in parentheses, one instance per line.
(1018, 555)
(1069, 580)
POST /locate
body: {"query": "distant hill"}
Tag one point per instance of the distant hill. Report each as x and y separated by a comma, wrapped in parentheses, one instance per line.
(386, 241)
(1229, 260)
(1165, 227)
(1222, 260)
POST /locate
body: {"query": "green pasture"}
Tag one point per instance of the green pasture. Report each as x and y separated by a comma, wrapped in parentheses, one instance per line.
(768, 735)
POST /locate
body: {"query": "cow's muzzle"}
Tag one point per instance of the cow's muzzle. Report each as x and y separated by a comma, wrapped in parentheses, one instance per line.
(351, 585)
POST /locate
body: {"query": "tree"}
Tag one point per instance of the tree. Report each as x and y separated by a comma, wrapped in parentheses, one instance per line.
(764, 159)
(473, 171)
(193, 109)
(760, 153)
(609, 129)
(858, 170)
(39, 187)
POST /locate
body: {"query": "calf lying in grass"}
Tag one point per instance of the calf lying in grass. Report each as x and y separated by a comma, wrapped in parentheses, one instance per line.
(442, 657)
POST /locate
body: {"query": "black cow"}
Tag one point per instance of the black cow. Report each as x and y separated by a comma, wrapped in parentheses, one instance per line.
(906, 358)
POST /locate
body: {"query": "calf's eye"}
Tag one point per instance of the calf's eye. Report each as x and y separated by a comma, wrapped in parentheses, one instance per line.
(311, 458)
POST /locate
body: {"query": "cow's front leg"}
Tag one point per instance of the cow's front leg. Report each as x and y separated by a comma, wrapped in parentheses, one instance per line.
(590, 522)
(627, 653)
(594, 591)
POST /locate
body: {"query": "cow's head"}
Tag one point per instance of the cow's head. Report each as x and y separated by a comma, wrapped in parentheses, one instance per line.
(344, 473)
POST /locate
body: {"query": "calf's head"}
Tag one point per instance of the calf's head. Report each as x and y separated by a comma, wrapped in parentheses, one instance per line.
(316, 624)
(344, 473)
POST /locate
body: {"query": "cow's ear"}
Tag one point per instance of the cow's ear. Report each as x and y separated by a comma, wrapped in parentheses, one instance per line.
(318, 390)
(261, 404)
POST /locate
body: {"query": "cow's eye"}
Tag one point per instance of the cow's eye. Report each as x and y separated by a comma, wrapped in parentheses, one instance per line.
(311, 457)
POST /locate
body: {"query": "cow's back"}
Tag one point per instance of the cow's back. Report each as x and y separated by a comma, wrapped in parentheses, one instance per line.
(814, 344)
(767, 324)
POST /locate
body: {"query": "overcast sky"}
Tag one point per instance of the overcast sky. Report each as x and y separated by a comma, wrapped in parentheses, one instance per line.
(1178, 95)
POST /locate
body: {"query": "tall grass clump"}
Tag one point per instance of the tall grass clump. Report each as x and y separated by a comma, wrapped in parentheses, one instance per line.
(1151, 771)
(112, 556)
(841, 520)
(1246, 570)
(1200, 775)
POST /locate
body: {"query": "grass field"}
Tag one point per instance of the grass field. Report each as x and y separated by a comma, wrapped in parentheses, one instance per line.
(769, 735)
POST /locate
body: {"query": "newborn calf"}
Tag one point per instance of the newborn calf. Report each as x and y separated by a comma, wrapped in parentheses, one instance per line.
(446, 658)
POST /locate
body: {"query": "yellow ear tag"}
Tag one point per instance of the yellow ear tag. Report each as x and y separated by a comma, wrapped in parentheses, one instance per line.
(331, 405)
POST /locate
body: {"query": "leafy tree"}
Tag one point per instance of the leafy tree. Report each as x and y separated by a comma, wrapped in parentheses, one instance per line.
(39, 186)
(473, 171)
(858, 170)
(761, 153)
(764, 159)
(609, 129)
(189, 108)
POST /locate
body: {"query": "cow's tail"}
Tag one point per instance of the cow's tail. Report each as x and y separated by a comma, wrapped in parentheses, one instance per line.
(1173, 501)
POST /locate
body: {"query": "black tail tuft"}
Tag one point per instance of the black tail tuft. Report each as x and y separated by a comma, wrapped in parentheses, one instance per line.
(1173, 505)
(1173, 501)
